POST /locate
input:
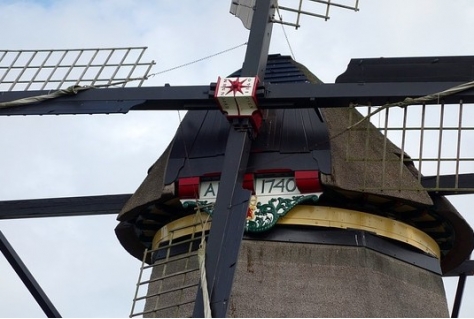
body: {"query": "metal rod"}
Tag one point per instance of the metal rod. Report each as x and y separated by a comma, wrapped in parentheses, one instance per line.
(385, 141)
(458, 297)
(183, 303)
(78, 65)
(440, 142)
(134, 66)
(329, 3)
(163, 308)
(3, 55)
(349, 134)
(163, 273)
(27, 278)
(145, 76)
(54, 70)
(434, 128)
(327, 10)
(402, 148)
(23, 70)
(175, 258)
(303, 12)
(422, 135)
(38, 70)
(299, 14)
(119, 65)
(187, 264)
(433, 159)
(162, 292)
(10, 67)
(366, 148)
(73, 65)
(102, 67)
(73, 50)
(458, 153)
(186, 271)
(87, 67)
(138, 283)
(286, 23)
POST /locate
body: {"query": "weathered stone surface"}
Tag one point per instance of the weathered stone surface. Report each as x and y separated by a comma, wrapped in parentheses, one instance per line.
(166, 299)
(277, 279)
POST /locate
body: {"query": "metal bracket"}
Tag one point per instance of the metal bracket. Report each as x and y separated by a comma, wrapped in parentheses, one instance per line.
(237, 99)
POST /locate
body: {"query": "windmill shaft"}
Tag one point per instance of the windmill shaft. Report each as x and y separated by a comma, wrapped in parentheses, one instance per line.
(227, 226)
(276, 96)
(458, 297)
(259, 40)
(111, 204)
(231, 206)
(63, 207)
(449, 184)
(27, 278)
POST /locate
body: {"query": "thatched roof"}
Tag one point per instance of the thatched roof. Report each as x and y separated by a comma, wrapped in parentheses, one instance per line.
(363, 160)
(295, 138)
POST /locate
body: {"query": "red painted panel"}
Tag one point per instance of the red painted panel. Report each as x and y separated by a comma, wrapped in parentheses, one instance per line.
(308, 181)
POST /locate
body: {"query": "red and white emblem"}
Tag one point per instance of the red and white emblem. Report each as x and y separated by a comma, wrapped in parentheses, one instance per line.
(237, 96)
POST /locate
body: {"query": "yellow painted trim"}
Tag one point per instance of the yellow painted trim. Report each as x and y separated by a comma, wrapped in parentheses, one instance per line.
(320, 216)
(181, 227)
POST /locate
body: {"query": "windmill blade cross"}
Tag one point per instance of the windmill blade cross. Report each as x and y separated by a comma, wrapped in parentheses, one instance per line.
(272, 96)
(232, 199)
(65, 206)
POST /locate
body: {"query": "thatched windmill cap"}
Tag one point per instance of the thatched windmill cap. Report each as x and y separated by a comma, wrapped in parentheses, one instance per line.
(294, 139)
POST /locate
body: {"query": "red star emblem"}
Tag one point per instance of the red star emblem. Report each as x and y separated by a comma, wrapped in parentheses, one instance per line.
(236, 86)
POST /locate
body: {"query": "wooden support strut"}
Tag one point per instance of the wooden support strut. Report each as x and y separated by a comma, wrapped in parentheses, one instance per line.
(27, 278)
(230, 210)
(269, 96)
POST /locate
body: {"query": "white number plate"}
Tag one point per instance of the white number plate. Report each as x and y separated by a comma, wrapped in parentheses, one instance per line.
(276, 186)
(273, 186)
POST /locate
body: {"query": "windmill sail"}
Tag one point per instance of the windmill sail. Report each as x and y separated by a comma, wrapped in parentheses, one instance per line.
(243, 9)
(37, 70)
(433, 133)
(290, 12)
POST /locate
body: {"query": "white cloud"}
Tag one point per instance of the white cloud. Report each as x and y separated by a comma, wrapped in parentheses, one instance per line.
(78, 261)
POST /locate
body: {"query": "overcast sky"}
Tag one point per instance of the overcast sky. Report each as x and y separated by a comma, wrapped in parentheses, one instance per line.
(78, 260)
